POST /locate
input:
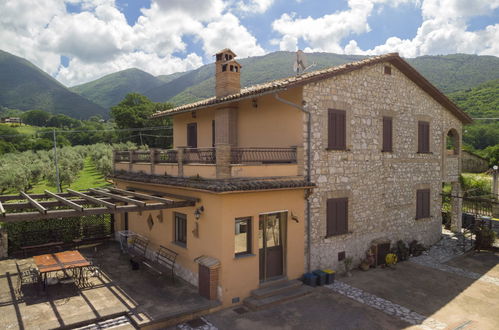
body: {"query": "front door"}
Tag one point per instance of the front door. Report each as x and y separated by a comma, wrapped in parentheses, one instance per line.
(271, 247)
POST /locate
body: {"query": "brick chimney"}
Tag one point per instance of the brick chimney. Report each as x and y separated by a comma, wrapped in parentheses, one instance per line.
(227, 73)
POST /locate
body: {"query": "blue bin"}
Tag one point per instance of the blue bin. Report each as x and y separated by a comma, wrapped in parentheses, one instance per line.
(310, 279)
(321, 277)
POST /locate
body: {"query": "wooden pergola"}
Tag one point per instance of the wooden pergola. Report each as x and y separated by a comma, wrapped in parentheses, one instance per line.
(25, 207)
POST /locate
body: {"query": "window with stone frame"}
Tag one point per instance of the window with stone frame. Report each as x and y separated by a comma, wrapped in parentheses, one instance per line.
(422, 203)
(336, 129)
(336, 216)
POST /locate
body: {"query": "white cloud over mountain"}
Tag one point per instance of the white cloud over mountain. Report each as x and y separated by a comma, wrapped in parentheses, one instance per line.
(179, 35)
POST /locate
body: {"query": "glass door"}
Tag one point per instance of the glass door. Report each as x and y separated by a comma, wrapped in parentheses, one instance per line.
(270, 242)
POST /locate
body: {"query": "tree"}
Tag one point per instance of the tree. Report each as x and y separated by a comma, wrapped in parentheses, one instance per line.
(36, 117)
(133, 112)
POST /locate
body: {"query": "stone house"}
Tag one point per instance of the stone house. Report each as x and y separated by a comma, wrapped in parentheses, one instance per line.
(473, 163)
(298, 173)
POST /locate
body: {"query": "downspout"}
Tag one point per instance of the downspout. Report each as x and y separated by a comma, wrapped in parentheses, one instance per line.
(309, 164)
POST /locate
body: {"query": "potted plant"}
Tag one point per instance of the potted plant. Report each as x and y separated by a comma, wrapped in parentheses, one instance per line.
(368, 261)
(347, 263)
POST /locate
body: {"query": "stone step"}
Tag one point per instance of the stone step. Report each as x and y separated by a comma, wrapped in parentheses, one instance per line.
(275, 288)
(273, 281)
(254, 303)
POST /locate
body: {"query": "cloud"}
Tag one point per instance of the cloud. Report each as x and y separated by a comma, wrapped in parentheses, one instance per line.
(228, 32)
(324, 34)
(98, 40)
(444, 30)
(254, 6)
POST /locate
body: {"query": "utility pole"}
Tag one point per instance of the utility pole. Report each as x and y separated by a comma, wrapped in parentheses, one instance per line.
(58, 183)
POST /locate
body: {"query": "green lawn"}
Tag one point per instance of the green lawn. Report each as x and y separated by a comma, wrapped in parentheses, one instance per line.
(24, 129)
(87, 178)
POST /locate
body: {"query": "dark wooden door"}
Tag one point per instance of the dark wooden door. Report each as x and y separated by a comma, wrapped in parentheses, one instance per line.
(270, 231)
(192, 135)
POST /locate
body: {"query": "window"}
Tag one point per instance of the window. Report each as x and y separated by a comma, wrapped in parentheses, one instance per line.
(242, 236)
(452, 142)
(388, 69)
(423, 203)
(224, 67)
(387, 134)
(336, 129)
(337, 216)
(423, 137)
(180, 229)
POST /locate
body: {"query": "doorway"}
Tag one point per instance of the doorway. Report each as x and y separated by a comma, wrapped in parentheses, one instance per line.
(271, 238)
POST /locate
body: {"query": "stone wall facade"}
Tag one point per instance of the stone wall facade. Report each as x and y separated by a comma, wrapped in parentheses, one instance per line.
(380, 186)
(473, 163)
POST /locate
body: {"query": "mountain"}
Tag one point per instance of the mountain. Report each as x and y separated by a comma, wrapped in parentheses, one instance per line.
(449, 73)
(481, 101)
(24, 86)
(111, 89)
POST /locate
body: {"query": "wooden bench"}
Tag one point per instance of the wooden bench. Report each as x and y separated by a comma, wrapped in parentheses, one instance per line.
(138, 249)
(41, 241)
(93, 234)
(164, 261)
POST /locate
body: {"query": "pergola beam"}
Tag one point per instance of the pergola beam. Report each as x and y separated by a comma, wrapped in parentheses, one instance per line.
(29, 216)
(65, 201)
(6, 198)
(176, 196)
(144, 196)
(92, 199)
(46, 204)
(2, 210)
(34, 203)
(118, 197)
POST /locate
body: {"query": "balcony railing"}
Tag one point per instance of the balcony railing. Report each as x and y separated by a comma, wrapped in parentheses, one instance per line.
(200, 155)
(166, 156)
(254, 155)
(263, 155)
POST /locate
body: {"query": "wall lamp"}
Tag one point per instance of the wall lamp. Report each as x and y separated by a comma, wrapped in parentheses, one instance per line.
(198, 211)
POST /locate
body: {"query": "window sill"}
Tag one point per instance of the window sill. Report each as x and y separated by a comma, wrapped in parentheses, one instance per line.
(338, 235)
(331, 149)
(182, 245)
(425, 218)
(244, 255)
(387, 151)
(425, 152)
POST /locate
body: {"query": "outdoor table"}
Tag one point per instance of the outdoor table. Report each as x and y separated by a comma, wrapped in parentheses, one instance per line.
(62, 261)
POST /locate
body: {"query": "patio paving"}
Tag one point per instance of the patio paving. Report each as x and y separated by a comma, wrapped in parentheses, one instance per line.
(143, 296)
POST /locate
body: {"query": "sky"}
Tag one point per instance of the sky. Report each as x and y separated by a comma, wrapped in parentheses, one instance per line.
(77, 41)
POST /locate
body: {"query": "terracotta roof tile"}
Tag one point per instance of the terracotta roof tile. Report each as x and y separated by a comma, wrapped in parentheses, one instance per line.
(219, 185)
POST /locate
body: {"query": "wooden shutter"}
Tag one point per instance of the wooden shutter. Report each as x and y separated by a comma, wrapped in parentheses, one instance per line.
(423, 136)
(192, 135)
(337, 216)
(213, 133)
(423, 203)
(336, 129)
(387, 134)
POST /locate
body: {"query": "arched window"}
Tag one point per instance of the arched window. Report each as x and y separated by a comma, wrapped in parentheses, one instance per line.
(452, 142)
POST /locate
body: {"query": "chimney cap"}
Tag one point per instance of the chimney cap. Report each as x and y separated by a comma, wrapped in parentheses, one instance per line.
(226, 50)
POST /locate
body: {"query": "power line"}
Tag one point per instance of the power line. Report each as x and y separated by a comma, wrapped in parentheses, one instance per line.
(93, 130)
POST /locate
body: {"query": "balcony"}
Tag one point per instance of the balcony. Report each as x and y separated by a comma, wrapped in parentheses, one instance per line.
(233, 162)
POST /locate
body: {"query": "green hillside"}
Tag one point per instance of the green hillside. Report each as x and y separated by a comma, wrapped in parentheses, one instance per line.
(481, 101)
(111, 89)
(24, 86)
(451, 73)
